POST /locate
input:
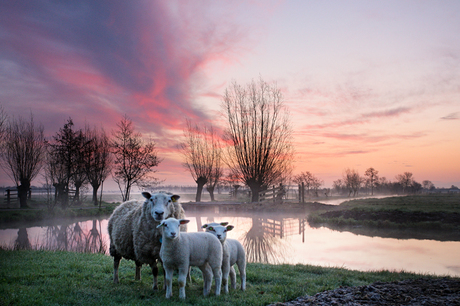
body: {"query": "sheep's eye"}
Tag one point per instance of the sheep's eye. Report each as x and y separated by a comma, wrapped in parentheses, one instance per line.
(211, 228)
(225, 231)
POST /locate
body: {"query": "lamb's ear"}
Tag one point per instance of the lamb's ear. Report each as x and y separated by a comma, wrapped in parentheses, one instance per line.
(161, 224)
(223, 223)
(230, 227)
(183, 221)
(204, 226)
(175, 197)
(146, 195)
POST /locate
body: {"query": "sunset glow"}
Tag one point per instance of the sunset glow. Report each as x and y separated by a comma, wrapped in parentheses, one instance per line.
(367, 83)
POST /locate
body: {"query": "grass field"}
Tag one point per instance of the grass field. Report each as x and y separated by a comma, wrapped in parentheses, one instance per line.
(425, 212)
(65, 278)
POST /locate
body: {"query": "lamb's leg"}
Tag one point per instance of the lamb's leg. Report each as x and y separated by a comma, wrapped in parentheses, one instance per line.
(138, 270)
(233, 277)
(168, 281)
(217, 277)
(155, 276)
(182, 279)
(225, 272)
(207, 278)
(116, 264)
(242, 269)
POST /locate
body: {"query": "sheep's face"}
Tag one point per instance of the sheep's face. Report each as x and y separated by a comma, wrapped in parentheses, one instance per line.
(219, 230)
(160, 205)
(171, 227)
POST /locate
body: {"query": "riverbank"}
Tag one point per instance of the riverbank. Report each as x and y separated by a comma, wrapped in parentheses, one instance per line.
(424, 213)
(67, 278)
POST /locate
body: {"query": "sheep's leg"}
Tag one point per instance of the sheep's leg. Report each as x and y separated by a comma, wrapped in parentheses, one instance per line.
(233, 277)
(182, 281)
(116, 264)
(168, 282)
(155, 276)
(138, 270)
(242, 269)
(225, 272)
(207, 278)
(218, 278)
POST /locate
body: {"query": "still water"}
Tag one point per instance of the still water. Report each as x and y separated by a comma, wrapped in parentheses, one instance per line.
(270, 238)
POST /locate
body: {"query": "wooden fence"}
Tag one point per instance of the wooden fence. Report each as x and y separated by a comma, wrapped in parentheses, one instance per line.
(274, 195)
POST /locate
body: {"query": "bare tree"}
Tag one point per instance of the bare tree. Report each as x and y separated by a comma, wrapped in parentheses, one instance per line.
(406, 179)
(308, 180)
(372, 178)
(3, 122)
(65, 161)
(203, 157)
(97, 158)
(133, 158)
(259, 134)
(428, 185)
(352, 180)
(23, 154)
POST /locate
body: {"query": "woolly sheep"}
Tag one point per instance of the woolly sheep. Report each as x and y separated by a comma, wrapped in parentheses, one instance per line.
(233, 252)
(182, 250)
(133, 231)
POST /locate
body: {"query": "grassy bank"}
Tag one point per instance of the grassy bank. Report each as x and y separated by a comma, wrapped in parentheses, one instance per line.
(66, 278)
(423, 212)
(38, 212)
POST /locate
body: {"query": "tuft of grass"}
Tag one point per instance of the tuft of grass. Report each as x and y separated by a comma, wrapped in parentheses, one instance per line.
(66, 278)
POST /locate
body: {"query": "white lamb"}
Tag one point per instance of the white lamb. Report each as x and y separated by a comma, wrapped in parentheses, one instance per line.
(233, 252)
(182, 250)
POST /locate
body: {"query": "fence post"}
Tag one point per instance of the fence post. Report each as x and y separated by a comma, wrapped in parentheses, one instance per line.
(303, 192)
(8, 197)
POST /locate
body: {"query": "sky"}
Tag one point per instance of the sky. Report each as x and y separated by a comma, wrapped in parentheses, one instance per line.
(367, 83)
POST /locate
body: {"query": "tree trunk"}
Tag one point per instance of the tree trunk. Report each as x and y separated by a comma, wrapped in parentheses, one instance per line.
(95, 188)
(201, 181)
(210, 189)
(23, 189)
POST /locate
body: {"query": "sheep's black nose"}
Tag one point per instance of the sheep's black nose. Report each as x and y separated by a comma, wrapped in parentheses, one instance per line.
(218, 236)
(173, 234)
(159, 214)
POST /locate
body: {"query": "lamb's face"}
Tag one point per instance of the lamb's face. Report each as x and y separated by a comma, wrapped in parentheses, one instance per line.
(218, 230)
(171, 227)
(160, 204)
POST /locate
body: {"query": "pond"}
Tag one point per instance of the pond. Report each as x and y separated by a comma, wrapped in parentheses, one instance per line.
(269, 238)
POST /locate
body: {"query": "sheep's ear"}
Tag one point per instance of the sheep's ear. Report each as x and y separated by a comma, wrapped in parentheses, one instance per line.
(204, 226)
(183, 221)
(175, 197)
(161, 224)
(146, 195)
(223, 223)
(230, 227)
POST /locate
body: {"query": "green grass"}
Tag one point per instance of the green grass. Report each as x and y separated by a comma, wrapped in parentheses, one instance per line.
(38, 213)
(417, 212)
(424, 203)
(66, 278)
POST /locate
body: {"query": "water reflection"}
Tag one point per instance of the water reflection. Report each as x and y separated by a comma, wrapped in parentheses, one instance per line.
(263, 241)
(270, 238)
(22, 242)
(66, 237)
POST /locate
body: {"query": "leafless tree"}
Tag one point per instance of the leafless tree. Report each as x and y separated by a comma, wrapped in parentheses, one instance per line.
(352, 180)
(3, 122)
(23, 154)
(310, 181)
(97, 158)
(406, 179)
(65, 162)
(134, 159)
(372, 178)
(259, 135)
(203, 157)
